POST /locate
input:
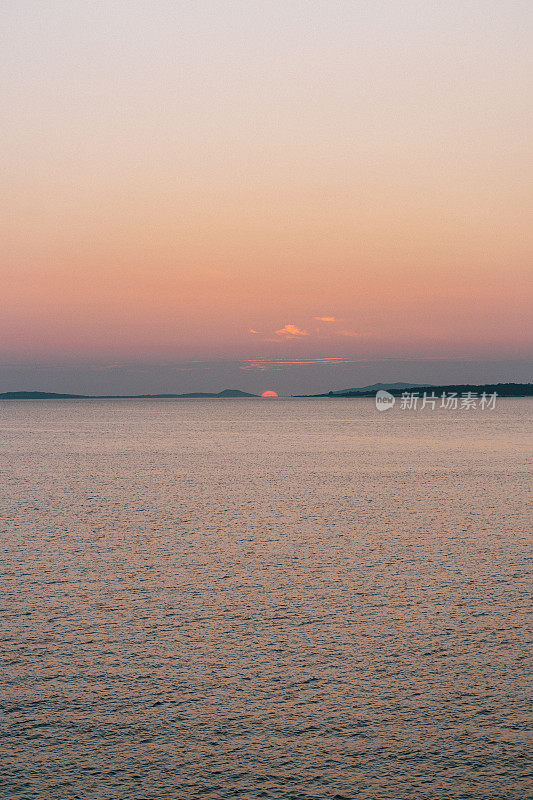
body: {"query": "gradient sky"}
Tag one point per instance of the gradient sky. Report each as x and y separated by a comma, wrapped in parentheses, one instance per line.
(289, 195)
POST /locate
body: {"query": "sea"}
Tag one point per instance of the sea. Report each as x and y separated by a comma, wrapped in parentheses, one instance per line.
(284, 599)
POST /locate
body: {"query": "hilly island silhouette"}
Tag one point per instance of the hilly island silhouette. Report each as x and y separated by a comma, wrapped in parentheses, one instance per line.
(501, 389)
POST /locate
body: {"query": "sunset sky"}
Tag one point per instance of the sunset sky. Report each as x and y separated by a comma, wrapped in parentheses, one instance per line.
(290, 195)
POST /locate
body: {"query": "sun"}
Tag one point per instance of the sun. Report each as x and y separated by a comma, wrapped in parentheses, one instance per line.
(269, 393)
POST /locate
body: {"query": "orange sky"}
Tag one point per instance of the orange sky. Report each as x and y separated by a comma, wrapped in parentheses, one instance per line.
(181, 175)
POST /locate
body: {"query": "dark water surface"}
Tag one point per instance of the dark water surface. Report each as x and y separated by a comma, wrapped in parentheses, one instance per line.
(263, 599)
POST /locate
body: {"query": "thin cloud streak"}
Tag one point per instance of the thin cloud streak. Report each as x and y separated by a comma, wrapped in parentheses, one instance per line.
(284, 363)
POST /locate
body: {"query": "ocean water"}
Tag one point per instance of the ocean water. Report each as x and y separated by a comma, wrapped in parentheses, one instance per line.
(292, 599)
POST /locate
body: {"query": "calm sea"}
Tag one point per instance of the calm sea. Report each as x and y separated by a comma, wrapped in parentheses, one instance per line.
(264, 599)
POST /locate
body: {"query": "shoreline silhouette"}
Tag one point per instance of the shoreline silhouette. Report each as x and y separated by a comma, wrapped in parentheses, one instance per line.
(501, 389)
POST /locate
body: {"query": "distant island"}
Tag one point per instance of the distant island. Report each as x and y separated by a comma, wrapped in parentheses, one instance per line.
(501, 389)
(57, 396)
(375, 387)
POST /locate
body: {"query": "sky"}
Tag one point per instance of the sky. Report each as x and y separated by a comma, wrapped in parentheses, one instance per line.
(295, 196)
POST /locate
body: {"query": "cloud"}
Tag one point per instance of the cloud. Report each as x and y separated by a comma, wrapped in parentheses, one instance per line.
(352, 334)
(291, 331)
(252, 331)
(263, 363)
(326, 319)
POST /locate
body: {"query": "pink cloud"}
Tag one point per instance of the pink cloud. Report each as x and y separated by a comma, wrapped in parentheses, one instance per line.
(291, 331)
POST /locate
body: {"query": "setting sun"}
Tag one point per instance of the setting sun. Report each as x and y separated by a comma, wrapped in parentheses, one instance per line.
(269, 393)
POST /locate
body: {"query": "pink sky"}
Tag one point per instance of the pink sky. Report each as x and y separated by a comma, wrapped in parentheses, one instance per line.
(223, 181)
